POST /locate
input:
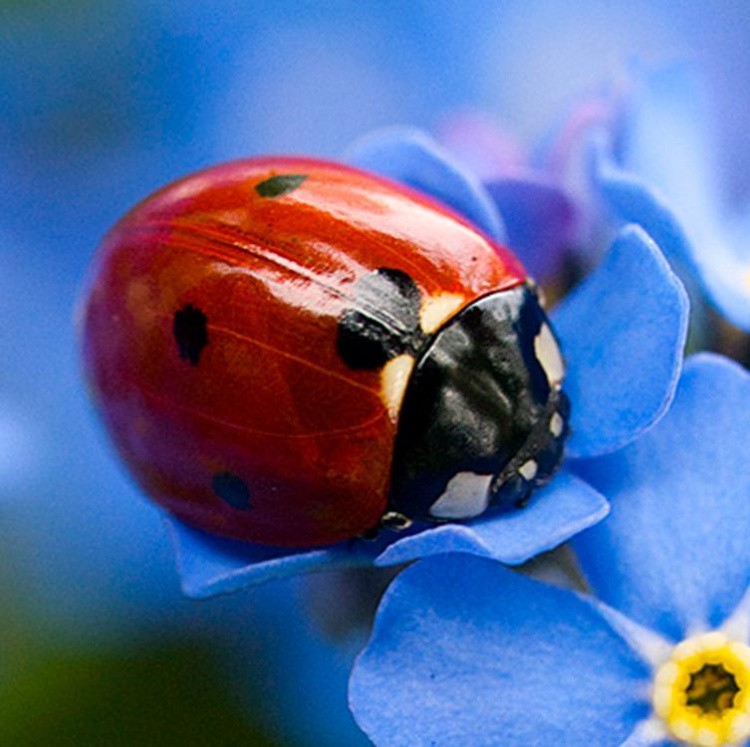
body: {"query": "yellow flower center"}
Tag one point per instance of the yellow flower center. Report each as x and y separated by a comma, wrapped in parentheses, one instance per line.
(702, 693)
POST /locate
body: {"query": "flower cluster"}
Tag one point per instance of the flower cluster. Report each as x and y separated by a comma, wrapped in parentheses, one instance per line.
(617, 208)
(654, 168)
(654, 649)
(650, 495)
(660, 656)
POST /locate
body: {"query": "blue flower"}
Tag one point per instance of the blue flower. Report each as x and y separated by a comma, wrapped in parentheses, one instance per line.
(660, 657)
(658, 168)
(623, 350)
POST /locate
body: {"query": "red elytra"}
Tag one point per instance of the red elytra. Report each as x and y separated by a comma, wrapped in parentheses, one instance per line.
(211, 341)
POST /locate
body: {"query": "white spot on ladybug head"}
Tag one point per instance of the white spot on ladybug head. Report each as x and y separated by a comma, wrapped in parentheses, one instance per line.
(467, 495)
(438, 309)
(528, 470)
(556, 425)
(549, 356)
(393, 381)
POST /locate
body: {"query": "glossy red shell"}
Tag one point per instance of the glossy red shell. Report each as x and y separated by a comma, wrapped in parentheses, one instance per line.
(270, 401)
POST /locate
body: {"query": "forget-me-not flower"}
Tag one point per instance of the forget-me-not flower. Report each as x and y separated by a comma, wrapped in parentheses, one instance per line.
(467, 652)
(660, 170)
(623, 351)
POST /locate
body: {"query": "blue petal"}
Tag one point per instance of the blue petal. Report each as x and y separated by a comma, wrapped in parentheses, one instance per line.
(209, 565)
(623, 332)
(663, 181)
(555, 513)
(412, 157)
(723, 268)
(674, 554)
(666, 141)
(633, 200)
(717, 257)
(540, 220)
(725, 277)
(465, 652)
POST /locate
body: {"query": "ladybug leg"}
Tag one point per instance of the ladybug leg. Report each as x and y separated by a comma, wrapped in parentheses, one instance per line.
(391, 521)
(395, 522)
(512, 491)
(524, 499)
(371, 534)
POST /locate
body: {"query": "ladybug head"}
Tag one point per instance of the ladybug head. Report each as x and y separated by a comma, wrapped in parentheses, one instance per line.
(484, 417)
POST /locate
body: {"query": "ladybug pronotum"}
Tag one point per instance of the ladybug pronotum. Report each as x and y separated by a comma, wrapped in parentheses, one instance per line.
(293, 352)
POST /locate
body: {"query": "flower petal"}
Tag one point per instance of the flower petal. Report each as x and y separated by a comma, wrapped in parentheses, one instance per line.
(633, 200)
(623, 332)
(718, 259)
(723, 268)
(540, 220)
(664, 181)
(674, 554)
(650, 733)
(412, 157)
(466, 652)
(210, 565)
(555, 513)
(666, 140)
(726, 280)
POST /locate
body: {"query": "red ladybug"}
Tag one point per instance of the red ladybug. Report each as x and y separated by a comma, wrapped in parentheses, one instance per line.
(294, 352)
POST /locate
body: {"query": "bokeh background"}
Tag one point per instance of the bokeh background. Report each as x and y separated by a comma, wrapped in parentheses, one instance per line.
(101, 102)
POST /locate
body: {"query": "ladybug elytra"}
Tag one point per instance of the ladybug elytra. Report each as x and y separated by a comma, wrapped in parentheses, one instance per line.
(294, 352)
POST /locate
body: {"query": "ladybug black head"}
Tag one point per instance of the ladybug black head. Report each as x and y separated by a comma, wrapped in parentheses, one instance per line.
(484, 418)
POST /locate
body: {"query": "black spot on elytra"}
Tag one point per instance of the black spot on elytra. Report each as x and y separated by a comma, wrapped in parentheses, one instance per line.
(280, 184)
(190, 333)
(383, 321)
(232, 490)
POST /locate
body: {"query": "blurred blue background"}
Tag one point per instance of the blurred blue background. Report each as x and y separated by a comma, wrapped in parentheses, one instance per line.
(101, 103)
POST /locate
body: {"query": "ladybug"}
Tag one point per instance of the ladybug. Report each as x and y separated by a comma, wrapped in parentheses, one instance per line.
(293, 352)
